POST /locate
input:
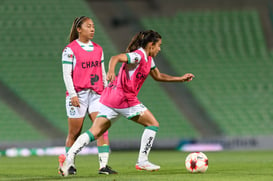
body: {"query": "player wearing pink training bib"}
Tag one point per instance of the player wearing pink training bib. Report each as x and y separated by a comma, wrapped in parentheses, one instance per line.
(85, 79)
(122, 92)
(120, 98)
(87, 72)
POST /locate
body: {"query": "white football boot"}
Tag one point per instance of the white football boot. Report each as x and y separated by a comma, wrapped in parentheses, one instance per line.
(146, 165)
(68, 168)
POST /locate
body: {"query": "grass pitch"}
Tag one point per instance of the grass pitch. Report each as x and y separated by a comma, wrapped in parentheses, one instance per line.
(223, 166)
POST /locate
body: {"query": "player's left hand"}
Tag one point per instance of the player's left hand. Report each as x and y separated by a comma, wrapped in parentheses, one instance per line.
(111, 76)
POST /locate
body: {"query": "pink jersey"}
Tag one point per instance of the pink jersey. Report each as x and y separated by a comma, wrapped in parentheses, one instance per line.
(122, 93)
(87, 73)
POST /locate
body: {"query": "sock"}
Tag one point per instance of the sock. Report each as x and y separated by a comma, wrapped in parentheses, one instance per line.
(103, 155)
(67, 149)
(147, 140)
(83, 140)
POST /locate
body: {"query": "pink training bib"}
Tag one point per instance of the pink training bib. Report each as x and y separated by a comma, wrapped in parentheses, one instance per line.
(122, 93)
(87, 73)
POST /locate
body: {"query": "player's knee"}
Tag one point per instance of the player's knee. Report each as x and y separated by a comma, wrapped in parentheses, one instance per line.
(73, 135)
(98, 133)
(105, 135)
(156, 124)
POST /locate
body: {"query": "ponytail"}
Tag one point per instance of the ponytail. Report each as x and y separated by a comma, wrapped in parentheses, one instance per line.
(77, 23)
(141, 39)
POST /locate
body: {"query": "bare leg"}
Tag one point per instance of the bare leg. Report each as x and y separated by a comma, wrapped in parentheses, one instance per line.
(74, 130)
(99, 126)
(146, 119)
(103, 140)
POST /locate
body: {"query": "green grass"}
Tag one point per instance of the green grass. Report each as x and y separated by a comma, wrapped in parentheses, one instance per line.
(223, 166)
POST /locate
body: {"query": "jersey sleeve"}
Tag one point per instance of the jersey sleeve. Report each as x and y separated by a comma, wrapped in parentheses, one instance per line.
(153, 66)
(67, 62)
(105, 83)
(67, 56)
(133, 57)
(102, 57)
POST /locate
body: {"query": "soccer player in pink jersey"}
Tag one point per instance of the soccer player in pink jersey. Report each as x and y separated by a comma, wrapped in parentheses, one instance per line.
(120, 98)
(85, 79)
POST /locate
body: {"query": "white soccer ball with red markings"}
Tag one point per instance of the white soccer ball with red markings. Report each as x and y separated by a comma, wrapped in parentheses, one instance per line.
(197, 162)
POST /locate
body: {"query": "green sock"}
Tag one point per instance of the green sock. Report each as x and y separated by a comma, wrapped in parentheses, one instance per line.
(154, 128)
(103, 155)
(103, 148)
(67, 149)
(91, 136)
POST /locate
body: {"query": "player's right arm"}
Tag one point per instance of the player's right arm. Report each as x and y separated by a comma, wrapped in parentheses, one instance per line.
(130, 58)
(67, 62)
(112, 65)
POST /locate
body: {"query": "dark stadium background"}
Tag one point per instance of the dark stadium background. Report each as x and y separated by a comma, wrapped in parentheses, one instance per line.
(226, 44)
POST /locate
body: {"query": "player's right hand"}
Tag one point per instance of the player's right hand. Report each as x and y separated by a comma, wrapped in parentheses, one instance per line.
(75, 101)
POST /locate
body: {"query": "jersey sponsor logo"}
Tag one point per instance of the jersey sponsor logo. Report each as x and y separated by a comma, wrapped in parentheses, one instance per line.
(94, 78)
(91, 64)
(111, 85)
(139, 75)
(65, 50)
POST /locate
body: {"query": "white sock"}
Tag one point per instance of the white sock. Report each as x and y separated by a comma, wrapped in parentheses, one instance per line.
(103, 159)
(81, 142)
(146, 144)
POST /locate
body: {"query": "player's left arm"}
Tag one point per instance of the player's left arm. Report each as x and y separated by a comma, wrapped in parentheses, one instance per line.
(158, 76)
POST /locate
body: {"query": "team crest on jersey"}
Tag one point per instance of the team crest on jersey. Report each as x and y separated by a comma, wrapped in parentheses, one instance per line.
(72, 111)
(69, 55)
(136, 55)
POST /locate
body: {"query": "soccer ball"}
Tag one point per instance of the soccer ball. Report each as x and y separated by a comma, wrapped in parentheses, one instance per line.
(196, 162)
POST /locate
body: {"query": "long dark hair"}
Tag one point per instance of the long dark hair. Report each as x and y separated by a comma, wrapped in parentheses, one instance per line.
(141, 39)
(77, 23)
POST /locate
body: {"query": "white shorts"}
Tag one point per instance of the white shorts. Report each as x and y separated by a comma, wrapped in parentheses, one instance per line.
(89, 101)
(113, 113)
